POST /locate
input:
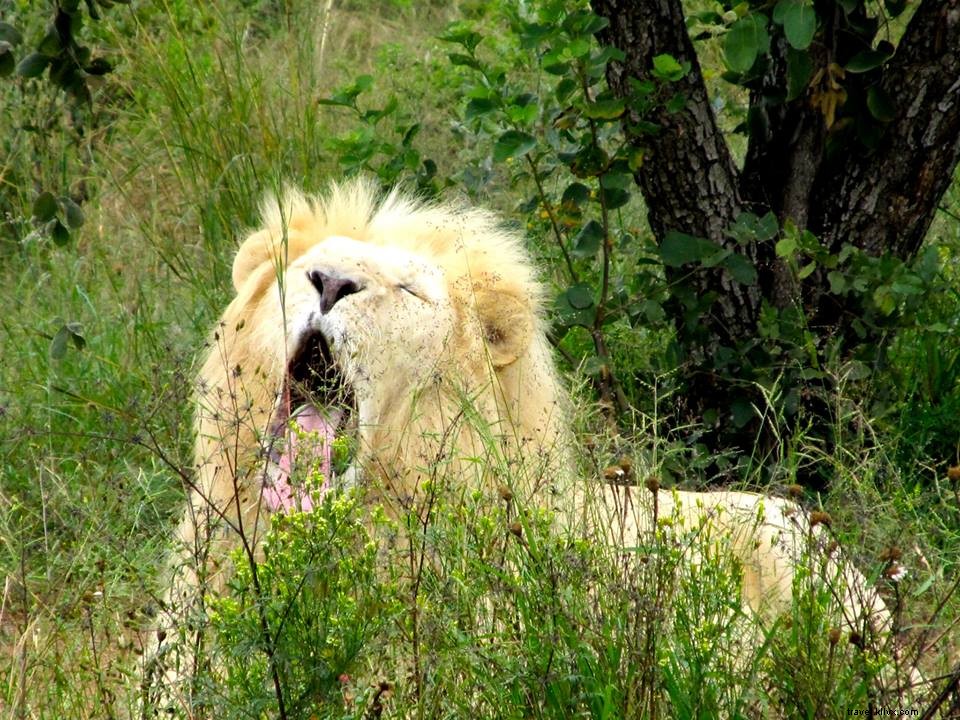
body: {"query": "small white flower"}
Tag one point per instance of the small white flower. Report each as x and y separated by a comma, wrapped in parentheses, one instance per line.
(896, 572)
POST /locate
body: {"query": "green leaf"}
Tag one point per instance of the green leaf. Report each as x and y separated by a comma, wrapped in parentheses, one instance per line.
(59, 233)
(32, 65)
(76, 335)
(586, 243)
(50, 44)
(838, 281)
(880, 105)
(7, 62)
(45, 207)
(654, 311)
(463, 60)
(609, 109)
(513, 143)
(578, 47)
(748, 228)
(741, 412)
(677, 103)
(584, 22)
(589, 161)
(786, 247)
(678, 249)
(462, 34)
(68, 332)
(615, 198)
(565, 88)
(58, 346)
(799, 22)
(8, 33)
(745, 41)
(885, 300)
(741, 269)
(666, 68)
(799, 70)
(575, 306)
(72, 213)
(576, 194)
(347, 95)
(867, 60)
(580, 296)
(479, 107)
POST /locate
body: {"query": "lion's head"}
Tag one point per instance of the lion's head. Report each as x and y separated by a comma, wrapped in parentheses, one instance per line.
(414, 330)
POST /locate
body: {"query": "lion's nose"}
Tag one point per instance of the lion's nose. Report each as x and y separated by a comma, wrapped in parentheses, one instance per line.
(331, 289)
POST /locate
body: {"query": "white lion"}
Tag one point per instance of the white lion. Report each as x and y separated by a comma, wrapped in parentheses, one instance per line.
(417, 332)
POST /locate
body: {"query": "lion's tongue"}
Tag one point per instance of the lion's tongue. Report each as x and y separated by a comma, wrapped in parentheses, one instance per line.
(307, 450)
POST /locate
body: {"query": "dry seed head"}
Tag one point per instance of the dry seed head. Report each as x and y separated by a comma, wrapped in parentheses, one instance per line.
(506, 493)
(856, 639)
(954, 473)
(516, 529)
(891, 554)
(626, 464)
(834, 635)
(795, 491)
(653, 483)
(819, 517)
(614, 473)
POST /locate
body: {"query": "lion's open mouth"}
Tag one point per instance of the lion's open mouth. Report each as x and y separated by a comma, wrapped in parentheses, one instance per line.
(311, 443)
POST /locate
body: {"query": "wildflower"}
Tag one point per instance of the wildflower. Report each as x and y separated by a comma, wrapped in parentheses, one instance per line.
(896, 572)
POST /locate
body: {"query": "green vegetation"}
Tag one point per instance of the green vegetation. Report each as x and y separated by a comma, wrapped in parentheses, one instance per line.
(122, 198)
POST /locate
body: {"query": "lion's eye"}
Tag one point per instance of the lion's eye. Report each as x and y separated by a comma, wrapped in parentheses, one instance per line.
(408, 289)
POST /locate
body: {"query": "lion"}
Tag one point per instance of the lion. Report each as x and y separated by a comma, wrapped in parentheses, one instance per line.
(418, 333)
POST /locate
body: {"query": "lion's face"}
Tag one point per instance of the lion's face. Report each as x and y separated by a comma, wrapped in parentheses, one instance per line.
(374, 321)
(363, 326)
(384, 314)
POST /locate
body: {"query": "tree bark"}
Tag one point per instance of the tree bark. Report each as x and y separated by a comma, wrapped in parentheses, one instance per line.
(884, 201)
(688, 179)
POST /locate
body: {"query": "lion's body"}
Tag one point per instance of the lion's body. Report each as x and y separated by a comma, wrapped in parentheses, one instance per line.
(435, 320)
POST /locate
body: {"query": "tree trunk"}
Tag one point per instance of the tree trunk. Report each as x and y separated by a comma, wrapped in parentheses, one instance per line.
(872, 183)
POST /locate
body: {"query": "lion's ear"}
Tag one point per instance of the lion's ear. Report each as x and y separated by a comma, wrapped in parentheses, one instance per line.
(255, 250)
(507, 323)
(265, 246)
